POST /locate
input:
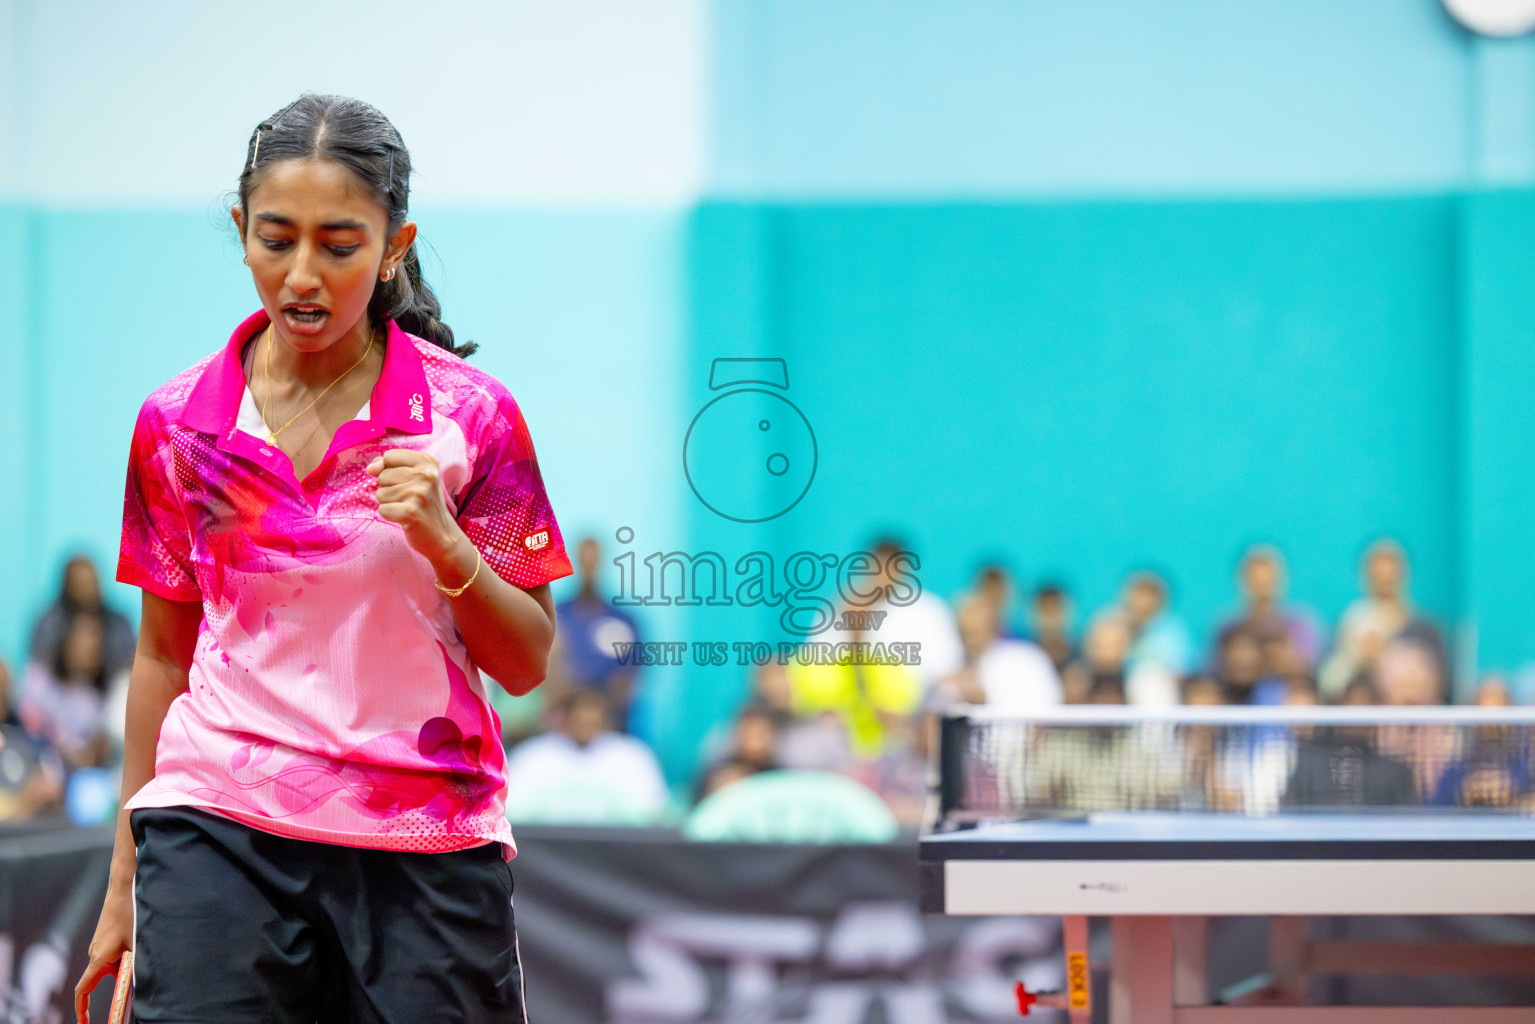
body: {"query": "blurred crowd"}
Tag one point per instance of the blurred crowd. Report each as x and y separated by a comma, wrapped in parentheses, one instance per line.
(61, 721)
(874, 723)
(818, 749)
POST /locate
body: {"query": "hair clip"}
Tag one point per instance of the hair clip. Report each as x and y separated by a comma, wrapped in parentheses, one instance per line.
(257, 149)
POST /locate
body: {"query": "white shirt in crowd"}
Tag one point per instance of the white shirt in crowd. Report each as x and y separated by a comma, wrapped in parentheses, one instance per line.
(1019, 675)
(926, 621)
(613, 780)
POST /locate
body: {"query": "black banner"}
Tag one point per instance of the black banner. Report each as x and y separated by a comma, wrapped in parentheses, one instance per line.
(644, 927)
(52, 882)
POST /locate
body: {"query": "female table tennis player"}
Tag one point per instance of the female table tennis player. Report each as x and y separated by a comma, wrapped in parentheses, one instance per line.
(338, 525)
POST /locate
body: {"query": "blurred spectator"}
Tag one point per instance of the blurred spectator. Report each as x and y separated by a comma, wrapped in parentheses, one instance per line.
(1302, 693)
(1385, 612)
(1107, 689)
(591, 629)
(772, 693)
(864, 698)
(1158, 636)
(66, 702)
(792, 807)
(1050, 622)
(1494, 693)
(1151, 685)
(1261, 579)
(31, 775)
(1408, 671)
(1239, 664)
(994, 588)
(1360, 692)
(1495, 767)
(753, 748)
(722, 774)
(1138, 643)
(1009, 673)
(1498, 778)
(1107, 768)
(1203, 690)
(913, 614)
(8, 714)
(80, 592)
(819, 741)
(1101, 668)
(1281, 669)
(584, 773)
(1286, 666)
(1340, 766)
(900, 774)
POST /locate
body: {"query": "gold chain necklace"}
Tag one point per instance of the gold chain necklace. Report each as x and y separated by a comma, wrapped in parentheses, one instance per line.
(266, 380)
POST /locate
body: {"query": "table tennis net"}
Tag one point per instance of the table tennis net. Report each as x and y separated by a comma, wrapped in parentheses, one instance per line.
(1240, 761)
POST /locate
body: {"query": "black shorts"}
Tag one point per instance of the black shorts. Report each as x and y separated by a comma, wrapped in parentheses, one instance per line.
(235, 924)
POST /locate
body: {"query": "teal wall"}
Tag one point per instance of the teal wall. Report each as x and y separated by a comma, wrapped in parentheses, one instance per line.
(1090, 386)
(1496, 478)
(1087, 388)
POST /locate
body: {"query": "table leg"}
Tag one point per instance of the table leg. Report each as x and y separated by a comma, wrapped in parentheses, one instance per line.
(1289, 951)
(1141, 971)
(1079, 978)
(1190, 978)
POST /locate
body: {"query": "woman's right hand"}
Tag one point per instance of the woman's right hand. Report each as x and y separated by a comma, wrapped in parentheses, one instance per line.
(114, 934)
(168, 632)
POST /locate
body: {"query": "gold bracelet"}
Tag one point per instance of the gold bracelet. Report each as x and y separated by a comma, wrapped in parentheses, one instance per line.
(478, 561)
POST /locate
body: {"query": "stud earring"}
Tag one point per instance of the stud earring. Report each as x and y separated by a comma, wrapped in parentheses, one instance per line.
(247, 259)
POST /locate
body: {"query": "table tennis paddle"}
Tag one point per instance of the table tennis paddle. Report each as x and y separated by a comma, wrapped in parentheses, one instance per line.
(122, 992)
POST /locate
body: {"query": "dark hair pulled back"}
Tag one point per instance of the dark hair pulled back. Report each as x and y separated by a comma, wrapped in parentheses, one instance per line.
(357, 135)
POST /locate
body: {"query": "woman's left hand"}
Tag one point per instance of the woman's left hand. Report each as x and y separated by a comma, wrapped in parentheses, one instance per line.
(409, 492)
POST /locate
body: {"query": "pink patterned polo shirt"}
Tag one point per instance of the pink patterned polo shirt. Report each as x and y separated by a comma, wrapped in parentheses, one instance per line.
(331, 696)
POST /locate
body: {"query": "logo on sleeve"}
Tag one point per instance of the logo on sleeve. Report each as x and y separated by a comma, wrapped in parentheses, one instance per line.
(536, 541)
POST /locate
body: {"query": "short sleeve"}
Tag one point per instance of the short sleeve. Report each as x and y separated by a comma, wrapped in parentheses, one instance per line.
(504, 509)
(155, 552)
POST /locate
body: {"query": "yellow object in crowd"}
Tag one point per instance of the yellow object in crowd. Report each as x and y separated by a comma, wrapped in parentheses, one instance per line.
(859, 693)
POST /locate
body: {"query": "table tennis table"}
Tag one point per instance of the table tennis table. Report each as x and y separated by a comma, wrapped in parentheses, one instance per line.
(1159, 877)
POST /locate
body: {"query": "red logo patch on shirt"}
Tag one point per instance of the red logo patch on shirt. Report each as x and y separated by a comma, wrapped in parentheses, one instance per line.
(536, 541)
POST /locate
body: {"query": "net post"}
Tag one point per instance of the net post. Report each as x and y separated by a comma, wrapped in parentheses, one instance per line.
(953, 743)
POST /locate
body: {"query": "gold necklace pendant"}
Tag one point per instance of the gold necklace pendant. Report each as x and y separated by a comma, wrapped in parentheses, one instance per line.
(266, 377)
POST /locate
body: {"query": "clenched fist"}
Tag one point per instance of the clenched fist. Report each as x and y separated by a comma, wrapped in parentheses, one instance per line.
(409, 492)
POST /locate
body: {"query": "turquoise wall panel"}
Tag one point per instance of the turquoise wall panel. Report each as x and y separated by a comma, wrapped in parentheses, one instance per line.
(1498, 483)
(1084, 389)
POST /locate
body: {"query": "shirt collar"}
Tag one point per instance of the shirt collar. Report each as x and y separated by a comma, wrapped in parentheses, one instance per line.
(400, 399)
